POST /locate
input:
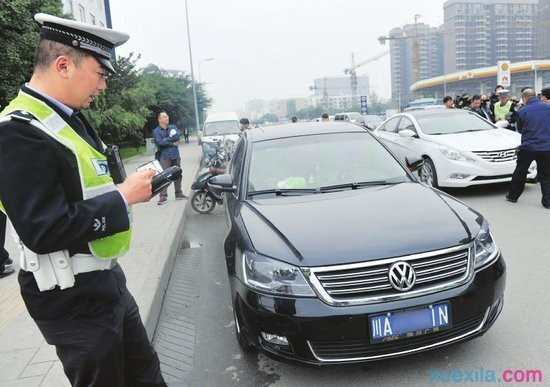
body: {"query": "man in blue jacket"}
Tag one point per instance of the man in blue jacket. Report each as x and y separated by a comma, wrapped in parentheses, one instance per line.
(167, 139)
(534, 126)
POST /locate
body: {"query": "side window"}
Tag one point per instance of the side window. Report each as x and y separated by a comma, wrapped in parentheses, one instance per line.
(391, 125)
(406, 124)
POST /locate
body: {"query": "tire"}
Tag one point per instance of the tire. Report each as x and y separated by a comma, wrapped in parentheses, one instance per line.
(428, 173)
(202, 202)
(243, 341)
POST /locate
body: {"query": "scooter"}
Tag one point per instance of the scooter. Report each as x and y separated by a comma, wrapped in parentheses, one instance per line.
(204, 199)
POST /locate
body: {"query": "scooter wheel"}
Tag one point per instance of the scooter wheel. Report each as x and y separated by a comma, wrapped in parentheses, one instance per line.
(203, 202)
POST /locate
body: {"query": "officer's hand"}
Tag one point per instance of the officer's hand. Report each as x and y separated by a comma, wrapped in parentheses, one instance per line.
(137, 187)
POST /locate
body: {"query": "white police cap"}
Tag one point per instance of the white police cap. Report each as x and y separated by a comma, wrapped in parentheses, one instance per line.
(98, 41)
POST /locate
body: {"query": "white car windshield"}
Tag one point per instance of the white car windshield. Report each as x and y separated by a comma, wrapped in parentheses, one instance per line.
(317, 161)
(217, 128)
(449, 122)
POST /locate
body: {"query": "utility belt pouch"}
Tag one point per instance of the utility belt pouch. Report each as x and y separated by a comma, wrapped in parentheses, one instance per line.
(116, 167)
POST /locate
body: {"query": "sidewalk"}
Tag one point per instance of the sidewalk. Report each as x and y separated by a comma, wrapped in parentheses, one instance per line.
(25, 358)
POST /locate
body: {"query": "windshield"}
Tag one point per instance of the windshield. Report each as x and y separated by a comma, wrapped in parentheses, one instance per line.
(317, 161)
(449, 122)
(221, 127)
(354, 116)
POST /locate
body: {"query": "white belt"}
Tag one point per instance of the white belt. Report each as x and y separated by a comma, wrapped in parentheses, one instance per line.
(58, 269)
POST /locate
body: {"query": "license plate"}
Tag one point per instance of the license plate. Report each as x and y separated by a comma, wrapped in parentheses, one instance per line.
(409, 323)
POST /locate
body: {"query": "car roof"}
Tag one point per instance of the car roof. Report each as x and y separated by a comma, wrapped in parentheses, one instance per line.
(227, 116)
(301, 129)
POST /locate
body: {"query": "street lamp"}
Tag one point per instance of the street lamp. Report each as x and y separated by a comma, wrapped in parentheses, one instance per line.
(192, 72)
(201, 62)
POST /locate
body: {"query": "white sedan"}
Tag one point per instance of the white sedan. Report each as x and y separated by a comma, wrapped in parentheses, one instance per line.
(459, 148)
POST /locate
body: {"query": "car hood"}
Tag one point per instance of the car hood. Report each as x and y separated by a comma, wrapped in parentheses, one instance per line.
(357, 225)
(487, 140)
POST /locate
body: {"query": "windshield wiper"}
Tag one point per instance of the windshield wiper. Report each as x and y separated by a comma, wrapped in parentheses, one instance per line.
(283, 191)
(355, 185)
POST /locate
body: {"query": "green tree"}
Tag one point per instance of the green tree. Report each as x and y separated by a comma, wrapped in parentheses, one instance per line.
(120, 113)
(19, 35)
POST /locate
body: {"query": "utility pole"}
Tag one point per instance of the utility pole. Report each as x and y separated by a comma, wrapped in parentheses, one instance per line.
(195, 101)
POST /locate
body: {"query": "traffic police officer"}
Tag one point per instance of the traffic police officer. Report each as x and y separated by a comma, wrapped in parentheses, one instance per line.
(73, 222)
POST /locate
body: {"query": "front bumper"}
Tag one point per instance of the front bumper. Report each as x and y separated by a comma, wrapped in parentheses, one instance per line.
(320, 334)
(464, 174)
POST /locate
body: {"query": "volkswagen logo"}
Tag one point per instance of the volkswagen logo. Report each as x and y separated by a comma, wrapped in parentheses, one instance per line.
(402, 276)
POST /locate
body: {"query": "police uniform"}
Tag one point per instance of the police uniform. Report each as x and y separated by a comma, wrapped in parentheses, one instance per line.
(73, 224)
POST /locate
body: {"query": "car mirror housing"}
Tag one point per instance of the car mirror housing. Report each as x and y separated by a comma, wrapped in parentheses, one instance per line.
(407, 133)
(414, 163)
(223, 183)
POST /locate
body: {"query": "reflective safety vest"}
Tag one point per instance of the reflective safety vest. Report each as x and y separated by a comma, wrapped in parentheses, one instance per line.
(501, 111)
(92, 166)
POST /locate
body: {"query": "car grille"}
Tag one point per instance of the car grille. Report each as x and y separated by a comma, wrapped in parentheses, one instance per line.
(368, 282)
(340, 350)
(500, 156)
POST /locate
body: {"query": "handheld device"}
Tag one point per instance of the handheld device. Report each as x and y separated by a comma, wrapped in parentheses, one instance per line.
(165, 178)
(116, 167)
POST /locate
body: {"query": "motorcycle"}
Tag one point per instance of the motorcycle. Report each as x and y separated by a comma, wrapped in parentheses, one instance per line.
(204, 199)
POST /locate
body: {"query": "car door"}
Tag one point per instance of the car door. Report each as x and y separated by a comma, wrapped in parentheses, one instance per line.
(405, 146)
(235, 170)
(386, 132)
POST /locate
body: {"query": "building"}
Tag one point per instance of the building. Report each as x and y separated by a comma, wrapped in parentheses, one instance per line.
(282, 108)
(483, 80)
(416, 53)
(478, 33)
(334, 93)
(94, 12)
(543, 29)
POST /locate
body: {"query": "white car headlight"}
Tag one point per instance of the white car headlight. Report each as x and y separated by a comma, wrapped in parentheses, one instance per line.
(485, 247)
(453, 154)
(275, 277)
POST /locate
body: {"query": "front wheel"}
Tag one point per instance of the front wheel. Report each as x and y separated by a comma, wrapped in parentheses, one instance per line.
(203, 202)
(428, 174)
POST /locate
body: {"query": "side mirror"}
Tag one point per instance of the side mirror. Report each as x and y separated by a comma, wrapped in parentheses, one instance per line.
(407, 133)
(223, 183)
(414, 163)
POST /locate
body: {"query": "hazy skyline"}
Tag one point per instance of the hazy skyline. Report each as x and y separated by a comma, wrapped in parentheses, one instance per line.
(264, 48)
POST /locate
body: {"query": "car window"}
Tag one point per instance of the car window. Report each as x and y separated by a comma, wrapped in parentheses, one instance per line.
(321, 160)
(237, 162)
(406, 123)
(391, 125)
(449, 122)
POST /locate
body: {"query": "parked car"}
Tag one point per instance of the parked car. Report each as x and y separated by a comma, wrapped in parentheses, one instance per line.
(220, 126)
(460, 148)
(337, 254)
(349, 117)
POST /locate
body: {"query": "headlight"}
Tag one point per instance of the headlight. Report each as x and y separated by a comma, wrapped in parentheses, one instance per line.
(455, 155)
(271, 276)
(485, 247)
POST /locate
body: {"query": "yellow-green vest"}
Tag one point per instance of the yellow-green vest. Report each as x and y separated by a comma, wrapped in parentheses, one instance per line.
(501, 111)
(92, 165)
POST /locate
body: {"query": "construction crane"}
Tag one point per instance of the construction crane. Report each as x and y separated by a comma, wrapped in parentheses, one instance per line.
(352, 71)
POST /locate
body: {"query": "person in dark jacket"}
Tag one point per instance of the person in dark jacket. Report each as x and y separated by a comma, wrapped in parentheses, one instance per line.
(167, 139)
(534, 126)
(5, 261)
(475, 106)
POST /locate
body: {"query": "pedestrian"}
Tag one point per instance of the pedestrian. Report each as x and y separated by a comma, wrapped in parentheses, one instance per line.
(449, 102)
(545, 95)
(475, 106)
(325, 117)
(167, 139)
(294, 119)
(534, 126)
(5, 261)
(186, 135)
(73, 222)
(245, 124)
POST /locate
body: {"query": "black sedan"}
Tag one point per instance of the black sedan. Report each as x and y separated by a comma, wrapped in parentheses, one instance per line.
(337, 254)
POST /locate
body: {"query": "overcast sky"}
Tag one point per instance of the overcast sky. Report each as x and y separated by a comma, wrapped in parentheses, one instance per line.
(266, 48)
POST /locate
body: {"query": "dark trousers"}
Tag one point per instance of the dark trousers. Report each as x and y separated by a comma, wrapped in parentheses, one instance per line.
(525, 158)
(4, 255)
(166, 163)
(105, 349)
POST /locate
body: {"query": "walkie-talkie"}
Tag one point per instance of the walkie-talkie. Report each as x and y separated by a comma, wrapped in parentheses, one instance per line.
(116, 167)
(165, 178)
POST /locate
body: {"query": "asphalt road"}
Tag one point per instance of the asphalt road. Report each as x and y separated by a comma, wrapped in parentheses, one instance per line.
(519, 340)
